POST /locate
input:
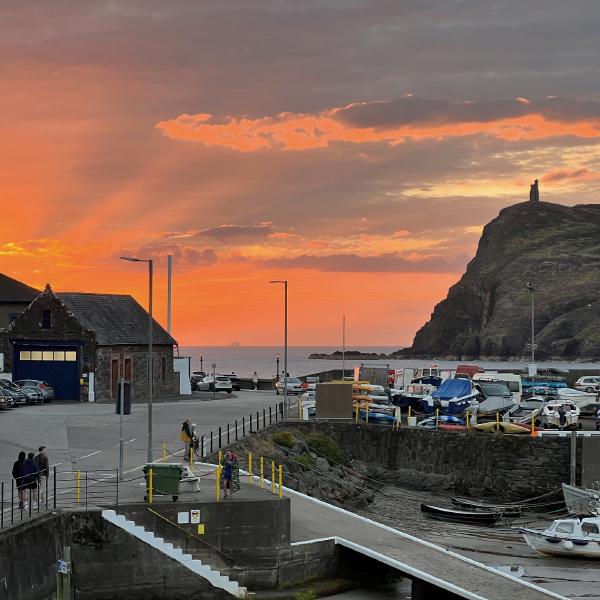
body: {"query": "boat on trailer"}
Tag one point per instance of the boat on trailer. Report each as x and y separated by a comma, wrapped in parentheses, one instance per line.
(566, 537)
(453, 397)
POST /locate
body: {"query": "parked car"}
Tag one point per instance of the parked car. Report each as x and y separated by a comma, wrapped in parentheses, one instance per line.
(14, 391)
(5, 402)
(310, 383)
(236, 382)
(196, 378)
(588, 384)
(43, 387)
(221, 383)
(294, 386)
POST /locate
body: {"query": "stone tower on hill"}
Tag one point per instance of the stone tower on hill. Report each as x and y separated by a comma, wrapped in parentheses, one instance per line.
(534, 192)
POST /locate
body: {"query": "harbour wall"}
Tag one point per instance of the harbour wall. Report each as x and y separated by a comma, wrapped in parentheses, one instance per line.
(508, 467)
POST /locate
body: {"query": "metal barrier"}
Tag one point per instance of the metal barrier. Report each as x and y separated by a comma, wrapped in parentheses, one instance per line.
(58, 490)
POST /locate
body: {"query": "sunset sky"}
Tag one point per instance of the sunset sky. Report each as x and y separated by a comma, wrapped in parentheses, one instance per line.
(354, 148)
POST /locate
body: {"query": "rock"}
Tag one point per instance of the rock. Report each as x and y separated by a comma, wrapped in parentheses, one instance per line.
(322, 464)
(486, 315)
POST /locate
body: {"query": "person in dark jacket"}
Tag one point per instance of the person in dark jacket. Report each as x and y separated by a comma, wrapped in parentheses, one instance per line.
(42, 465)
(17, 473)
(187, 437)
(29, 473)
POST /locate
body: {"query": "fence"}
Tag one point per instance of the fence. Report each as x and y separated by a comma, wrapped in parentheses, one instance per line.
(57, 490)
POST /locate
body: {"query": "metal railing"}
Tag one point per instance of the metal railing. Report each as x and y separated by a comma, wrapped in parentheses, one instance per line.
(55, 491)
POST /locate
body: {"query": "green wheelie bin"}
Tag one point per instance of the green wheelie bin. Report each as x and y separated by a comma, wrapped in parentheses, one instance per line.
(165, 479)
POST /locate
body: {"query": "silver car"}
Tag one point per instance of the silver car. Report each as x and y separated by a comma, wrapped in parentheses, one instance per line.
(587, 384)
(43, 387)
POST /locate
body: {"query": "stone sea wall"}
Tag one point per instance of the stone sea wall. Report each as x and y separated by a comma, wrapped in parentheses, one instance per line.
(511, 467)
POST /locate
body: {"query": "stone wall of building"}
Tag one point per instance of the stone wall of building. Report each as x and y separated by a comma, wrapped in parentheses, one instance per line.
(166, 381)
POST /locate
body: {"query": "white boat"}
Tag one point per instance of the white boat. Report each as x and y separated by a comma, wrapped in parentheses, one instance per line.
(566, 537)
(552, 414)
(580, 501)
(524, 411)
(583, 400)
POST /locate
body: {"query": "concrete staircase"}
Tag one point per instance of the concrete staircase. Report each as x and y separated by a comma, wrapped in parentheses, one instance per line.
(187, 560)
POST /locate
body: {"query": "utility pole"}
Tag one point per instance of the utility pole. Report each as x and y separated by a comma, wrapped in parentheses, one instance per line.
(343, 347)
(532, 293)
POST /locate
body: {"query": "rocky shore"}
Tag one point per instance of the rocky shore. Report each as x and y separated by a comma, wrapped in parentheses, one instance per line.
(354, 355)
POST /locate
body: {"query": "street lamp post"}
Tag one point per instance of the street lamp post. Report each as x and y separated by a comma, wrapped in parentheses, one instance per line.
(150, 353)
(277, 367)
(532, 293)
(285, 348)
(201, 360)
(214, 380)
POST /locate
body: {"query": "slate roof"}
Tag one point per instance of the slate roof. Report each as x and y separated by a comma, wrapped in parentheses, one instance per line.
(116, 319)
(13, 291)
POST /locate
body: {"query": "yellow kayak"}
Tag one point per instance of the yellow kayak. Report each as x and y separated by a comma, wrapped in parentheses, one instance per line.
(502, 427)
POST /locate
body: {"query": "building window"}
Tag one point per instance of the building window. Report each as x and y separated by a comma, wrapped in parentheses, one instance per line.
(47, 355)
(46, 319)
(71, 355)
(163, 369)
(59, 355)
(24, 355)
(36, 355)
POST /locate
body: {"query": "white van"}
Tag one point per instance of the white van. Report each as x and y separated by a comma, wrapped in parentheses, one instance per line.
(510, 380)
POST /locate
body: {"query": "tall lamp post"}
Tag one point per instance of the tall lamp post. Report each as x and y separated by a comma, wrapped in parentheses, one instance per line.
(277, 367)
(285, 348)
(201, 361)
(532, 293)
(150, 354)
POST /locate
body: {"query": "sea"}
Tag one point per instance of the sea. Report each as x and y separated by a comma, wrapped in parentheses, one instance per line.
(244, 360)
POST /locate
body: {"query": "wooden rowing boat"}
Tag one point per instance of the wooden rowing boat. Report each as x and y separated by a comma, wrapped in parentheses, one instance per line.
(461, 516)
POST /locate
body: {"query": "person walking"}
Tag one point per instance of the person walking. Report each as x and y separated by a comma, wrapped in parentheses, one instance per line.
(43, 469)
(255, 381)
(17, 473)
(30, 477)
(230, 474)
(187, 437)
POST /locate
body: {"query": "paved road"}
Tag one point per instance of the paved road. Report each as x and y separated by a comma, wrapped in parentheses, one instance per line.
(86, 436)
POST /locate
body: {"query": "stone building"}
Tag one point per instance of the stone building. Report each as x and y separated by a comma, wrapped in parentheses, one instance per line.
(83, 343)
(534, 192)
(15, 297)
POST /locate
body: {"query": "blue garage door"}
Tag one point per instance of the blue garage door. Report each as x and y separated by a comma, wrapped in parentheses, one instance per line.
(58, 365)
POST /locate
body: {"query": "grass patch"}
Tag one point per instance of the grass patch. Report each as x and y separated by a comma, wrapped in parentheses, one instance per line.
(306, 460)
(284, 438)
(308, 595)
(324, 446)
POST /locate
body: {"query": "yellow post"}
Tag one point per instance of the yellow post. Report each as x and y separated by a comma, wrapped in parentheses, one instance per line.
(367, 419)
(150, 485)
(468, 419)
(262, 472)
(437, 417)
(300, 407)
(78, 486)
(533, 431)
(191, 458)
(249, 467)
(356, 412)
(220, 457)
(218, 482)
(280, 481)
(409, 412)
(164, 453)
(272, 477)
(497, 421)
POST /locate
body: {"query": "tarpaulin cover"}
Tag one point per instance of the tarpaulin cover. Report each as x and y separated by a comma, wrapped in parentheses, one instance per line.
(453, 388)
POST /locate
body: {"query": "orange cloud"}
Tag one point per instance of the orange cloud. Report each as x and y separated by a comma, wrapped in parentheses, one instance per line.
(298, 131)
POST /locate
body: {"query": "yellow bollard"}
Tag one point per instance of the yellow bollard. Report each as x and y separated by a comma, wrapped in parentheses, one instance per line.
(78, 486)
(497, 421)
(272, 477)
(191, 458)
(367, 419)
(150, 485)
(356, 412)
(437, 417)
(280, 481)
(533, 431)
(409, 412)
(262, 472)
(249, 467)
(220, 457)
(468, 420)
(300, 407)
(218, 483)
(164, 453)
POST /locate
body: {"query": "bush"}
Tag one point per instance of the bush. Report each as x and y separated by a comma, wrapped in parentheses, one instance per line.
(324, 446)
(306, 460)
(284, 438)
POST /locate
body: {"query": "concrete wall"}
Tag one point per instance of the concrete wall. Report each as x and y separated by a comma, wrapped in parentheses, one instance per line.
(479, 464)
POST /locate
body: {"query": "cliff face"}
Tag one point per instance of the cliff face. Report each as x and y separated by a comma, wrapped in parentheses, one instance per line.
(487, 314)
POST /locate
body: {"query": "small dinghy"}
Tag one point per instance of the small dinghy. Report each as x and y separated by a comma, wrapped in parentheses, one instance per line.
(461, 516)
(507, 510)
(566, 537)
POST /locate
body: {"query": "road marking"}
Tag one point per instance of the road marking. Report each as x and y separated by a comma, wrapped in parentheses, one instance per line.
(88, 455)
(124, 443)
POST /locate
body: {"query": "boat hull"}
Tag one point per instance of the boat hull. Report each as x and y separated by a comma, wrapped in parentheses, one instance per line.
(461, 516)
(578, 500)
(550, 546)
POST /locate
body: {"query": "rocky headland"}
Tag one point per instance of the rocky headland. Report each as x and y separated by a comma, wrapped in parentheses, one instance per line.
(487, 314)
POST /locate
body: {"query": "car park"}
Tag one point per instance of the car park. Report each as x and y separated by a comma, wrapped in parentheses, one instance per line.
(12, 390)
(294, 386)
(196, 378)
(236, 382)
(43, 387)
(589, 383)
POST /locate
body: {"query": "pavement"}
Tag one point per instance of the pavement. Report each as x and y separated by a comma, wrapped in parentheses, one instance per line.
(85, 436)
